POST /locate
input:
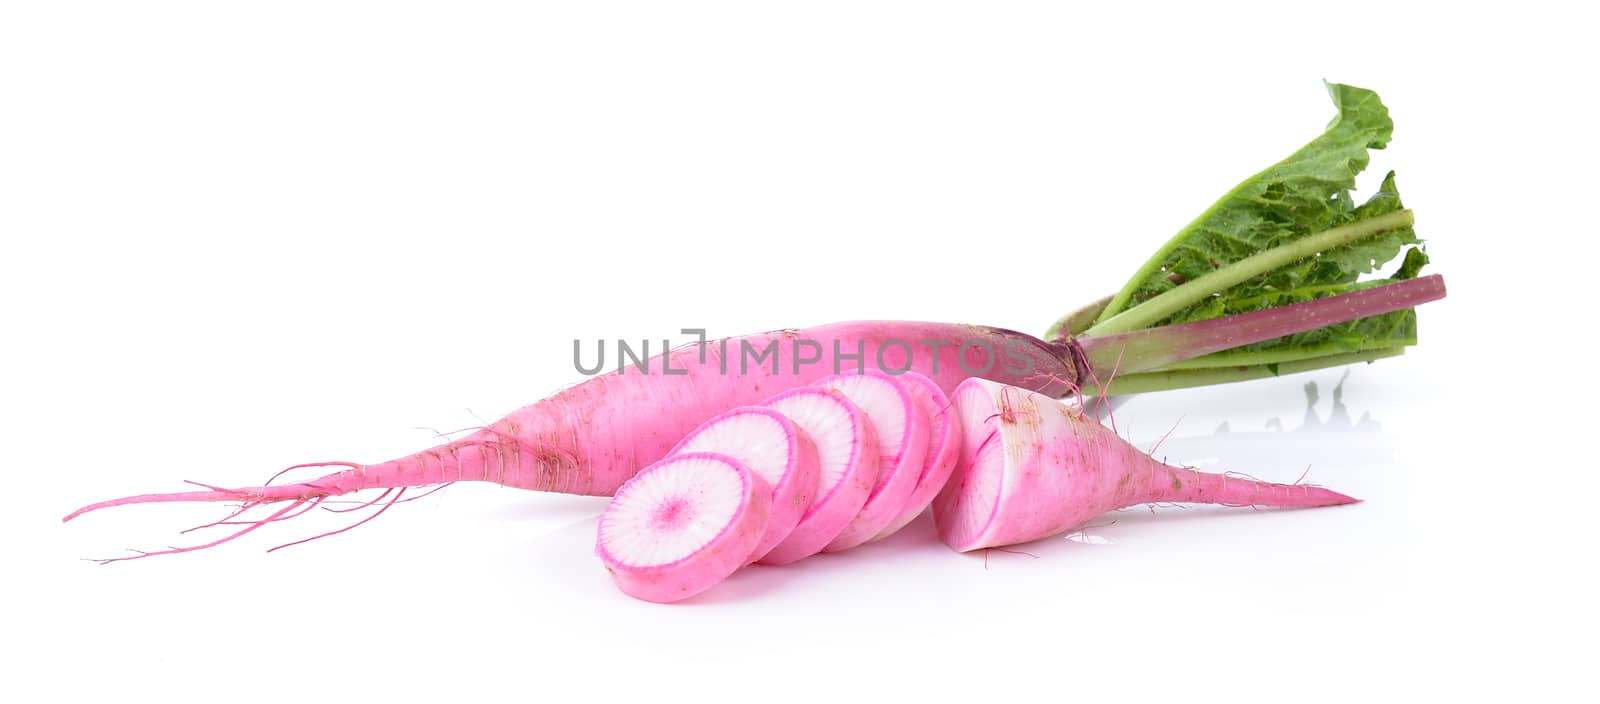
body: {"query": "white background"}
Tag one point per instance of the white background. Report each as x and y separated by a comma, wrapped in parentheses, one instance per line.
(238, 238)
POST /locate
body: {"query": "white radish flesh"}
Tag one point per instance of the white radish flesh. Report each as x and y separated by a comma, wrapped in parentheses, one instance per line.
(847, 463)
(944, 448)
(902, 430)
(773, 447)
(682, 525)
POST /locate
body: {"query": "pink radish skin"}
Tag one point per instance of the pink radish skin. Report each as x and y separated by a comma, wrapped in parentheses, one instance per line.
(902, 430)
(1032, 467)
(847, 460)
(682, 525)
(592, 437)
(773, 447)
(944, 448)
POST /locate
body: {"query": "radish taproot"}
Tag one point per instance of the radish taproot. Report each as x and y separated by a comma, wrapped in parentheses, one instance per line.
(682, 525)
(773, 447)
(944, 448)
(592, 437)
(1032, 467)
(847, 462)
(901, 427)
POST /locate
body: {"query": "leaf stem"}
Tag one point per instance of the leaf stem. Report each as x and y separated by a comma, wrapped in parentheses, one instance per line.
(1156, 348)
(1166, 304)
(1187, 378)
(1228, 358)
(1076, 321)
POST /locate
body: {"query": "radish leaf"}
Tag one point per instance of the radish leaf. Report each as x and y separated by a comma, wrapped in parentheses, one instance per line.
(1306, 193)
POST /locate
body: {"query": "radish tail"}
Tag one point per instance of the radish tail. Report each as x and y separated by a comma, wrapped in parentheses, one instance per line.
(1181, 485)
(306, 491)
(489, 456)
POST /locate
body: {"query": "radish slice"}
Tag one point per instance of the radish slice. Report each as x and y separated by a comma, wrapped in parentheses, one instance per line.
(902, 430)
(944, 448)
(681, 525)
(773, 447)
(970, 502)
(847, 462)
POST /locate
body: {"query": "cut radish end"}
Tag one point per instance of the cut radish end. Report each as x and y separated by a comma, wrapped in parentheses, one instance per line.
(773, 447)
(847, 464)
(970, 499)
(1032, 467)
(902, 430)
(682, 525)
(944, 448)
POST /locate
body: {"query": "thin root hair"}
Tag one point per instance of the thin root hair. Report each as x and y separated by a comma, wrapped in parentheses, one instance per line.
(139, 554)
(352, 526)
(306, 465)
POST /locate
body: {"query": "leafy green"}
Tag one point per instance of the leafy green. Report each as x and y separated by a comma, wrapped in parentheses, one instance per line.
(1306, 193)
(1332, 272)
(1289, 245)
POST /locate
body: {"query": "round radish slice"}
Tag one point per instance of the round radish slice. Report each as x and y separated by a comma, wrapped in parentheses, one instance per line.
(847, 464)
(681, 525)
(944, 448)
(773, 447)
(902, 430)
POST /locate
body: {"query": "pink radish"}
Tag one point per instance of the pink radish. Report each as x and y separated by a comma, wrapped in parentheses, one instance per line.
(902, 430)
(682, 525)
(1032, 467)
(592, 437)
(773, 447)
(847, 459)
(944, 448)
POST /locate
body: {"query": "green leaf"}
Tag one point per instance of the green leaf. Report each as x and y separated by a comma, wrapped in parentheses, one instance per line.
(1292, 234)
(1332, 272)
(1415, 260)
(1345, 264)
(1306, 193)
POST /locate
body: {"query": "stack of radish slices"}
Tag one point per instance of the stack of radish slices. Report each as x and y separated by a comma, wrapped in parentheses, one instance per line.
(850, 459)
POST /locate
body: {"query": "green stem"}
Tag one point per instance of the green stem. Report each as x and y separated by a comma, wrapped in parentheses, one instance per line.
(1281, 356)
(1187, 378)
(1120, 300)
(1075, 322)
(1170, 302)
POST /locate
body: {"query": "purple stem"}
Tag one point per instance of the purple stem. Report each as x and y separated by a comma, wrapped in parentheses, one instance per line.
(1153, 348)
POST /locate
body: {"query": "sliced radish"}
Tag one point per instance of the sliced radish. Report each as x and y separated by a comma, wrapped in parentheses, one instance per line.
(944, 448)
(847, 463)
(681, 525)
(902, 430)
(773, 447)
(967, 506)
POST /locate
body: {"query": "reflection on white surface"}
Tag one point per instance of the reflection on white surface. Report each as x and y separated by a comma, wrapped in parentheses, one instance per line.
(1323, 439)
(1338, 419)
(1087, 538)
